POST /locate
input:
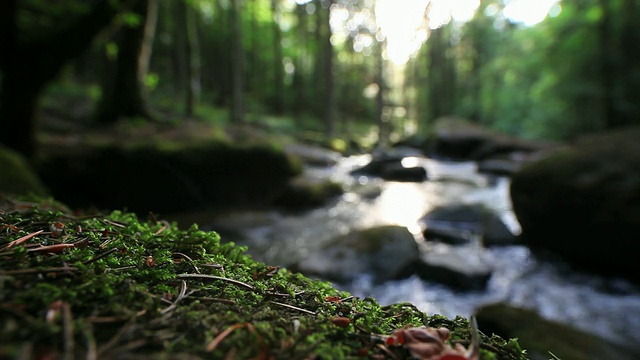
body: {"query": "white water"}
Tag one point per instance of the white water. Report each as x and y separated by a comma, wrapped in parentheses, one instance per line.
(604, 307)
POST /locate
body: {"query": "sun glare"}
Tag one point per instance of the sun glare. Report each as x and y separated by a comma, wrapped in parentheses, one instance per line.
(530, 12)
(402, 22)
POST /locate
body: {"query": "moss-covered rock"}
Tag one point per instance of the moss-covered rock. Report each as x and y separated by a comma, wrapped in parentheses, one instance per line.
(583, 203)
(304, 193)
(17, 176)
(541, 336)
(162, 178)
(116, 286)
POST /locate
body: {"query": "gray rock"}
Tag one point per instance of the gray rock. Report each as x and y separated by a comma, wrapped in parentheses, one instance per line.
(384, 252)
(459, 223)
(313, 155)
(388, 165)
(458, 267)
(583, 203)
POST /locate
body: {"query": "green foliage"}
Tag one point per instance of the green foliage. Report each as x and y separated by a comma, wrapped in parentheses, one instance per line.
(557, 80)
(130, 19)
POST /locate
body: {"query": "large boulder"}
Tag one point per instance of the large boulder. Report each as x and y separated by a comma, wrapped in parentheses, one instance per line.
(384, 252)
(583, 203)
(459, 139)
(459, 223)
(169, 178)
(541, 336)
(17, 177)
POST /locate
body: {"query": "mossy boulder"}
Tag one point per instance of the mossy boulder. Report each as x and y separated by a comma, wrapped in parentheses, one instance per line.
(583, 203)
(169, 179)
(460, 139)
(117, 286)
(304, 193)
(541, 336)
(17, 176)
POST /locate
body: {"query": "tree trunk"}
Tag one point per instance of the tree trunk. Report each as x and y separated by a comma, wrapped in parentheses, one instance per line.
(28, 66)
(124, 90)
(441, 76)
(278, 99)
(193, 73)
(237, 66)
(628, 72)
(329, 111)
(187, 55)
(300, 104)
(382, 122)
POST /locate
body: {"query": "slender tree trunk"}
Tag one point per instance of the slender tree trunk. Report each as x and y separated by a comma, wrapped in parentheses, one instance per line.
(329, 111)
(124, 90)
(278, 100)
(441, 81)
(383, 135)
(193, 73)
(28, 66)
(627, 107)
(188, 56)
(299, 77)
(237, 66)
(606, 77)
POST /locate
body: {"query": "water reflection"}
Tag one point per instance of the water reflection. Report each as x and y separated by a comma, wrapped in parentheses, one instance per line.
(402, 204)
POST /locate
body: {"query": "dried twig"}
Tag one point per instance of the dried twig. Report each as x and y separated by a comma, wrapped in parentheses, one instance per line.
(51, 248)
(21, 240)
(116, 224)
(92, 348)
(218, 339)
(293, 307)
(37, 271)
(104, 254)
(188, 258)
(67, 320)
(213, 277)
(183, 291)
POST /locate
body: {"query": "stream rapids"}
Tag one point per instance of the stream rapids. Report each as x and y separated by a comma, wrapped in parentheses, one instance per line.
(605, 307)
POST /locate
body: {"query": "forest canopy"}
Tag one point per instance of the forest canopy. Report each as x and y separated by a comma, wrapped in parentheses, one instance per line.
(324, 64)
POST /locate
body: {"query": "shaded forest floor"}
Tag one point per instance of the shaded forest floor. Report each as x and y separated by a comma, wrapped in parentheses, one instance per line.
(67, 112)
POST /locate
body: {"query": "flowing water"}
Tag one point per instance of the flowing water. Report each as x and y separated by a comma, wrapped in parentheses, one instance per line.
(605, 307)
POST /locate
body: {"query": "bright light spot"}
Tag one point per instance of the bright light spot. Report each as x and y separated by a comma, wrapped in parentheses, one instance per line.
(289, 67)
(400, 25)
(371, 91)
(402, 22)
(529, 12)
(410, 162)
(442, 11)
(401, 204)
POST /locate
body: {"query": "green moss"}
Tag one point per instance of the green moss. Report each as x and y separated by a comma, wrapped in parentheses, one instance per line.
(142, 287)
(17, 177)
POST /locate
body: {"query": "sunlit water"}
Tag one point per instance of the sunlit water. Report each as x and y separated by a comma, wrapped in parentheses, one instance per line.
(610, 309)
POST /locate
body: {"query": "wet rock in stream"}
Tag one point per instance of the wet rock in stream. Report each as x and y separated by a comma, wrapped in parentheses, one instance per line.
(457, 224)
(458, 267)
(384, 252)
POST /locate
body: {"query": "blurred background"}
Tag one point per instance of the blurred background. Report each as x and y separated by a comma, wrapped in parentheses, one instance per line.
(469, 157)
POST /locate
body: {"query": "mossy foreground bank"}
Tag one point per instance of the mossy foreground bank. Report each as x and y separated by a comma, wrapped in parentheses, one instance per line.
(117, 287)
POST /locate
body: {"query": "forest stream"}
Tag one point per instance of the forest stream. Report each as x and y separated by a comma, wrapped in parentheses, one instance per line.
(607, 308)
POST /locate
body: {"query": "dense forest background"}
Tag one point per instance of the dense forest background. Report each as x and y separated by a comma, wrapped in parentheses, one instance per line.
(318, 65)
